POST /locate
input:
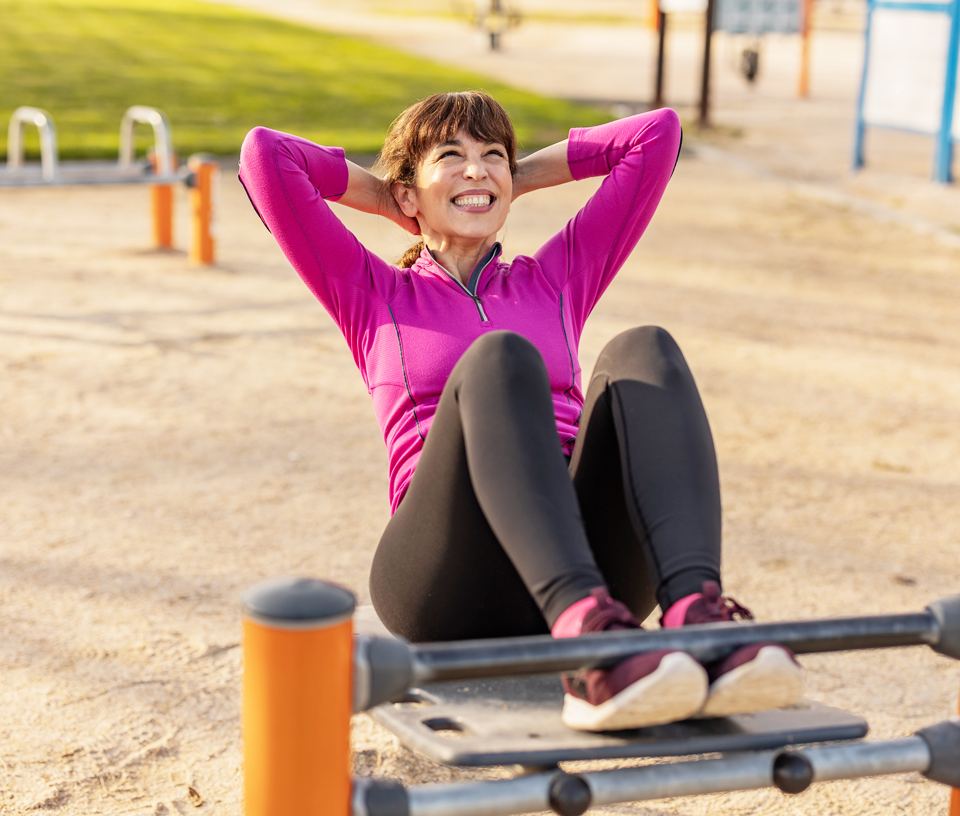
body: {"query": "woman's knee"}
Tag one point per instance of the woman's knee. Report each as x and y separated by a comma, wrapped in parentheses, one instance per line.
(648, 353)
(503, 354)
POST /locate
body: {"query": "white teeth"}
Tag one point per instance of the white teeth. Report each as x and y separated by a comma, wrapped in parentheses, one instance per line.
(473, 201)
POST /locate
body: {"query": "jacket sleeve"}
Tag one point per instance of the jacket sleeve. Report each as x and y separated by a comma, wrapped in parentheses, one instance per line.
(289, 181)
(637, 155)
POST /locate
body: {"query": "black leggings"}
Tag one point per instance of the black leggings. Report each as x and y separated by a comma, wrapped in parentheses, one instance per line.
(498, 533)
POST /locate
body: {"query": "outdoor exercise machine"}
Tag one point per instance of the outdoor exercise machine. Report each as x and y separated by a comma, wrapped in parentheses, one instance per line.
(305, 672)
(159, 169)
(494, 18)
(751, 17)
(910, 66)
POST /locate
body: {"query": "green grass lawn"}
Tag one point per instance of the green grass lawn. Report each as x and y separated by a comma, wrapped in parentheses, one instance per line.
(216, 72)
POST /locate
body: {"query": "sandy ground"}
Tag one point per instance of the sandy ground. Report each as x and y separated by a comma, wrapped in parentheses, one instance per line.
(170, 435)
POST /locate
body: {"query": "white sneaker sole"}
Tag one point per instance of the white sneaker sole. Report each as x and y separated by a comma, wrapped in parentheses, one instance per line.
(770, 680)
(675, 691)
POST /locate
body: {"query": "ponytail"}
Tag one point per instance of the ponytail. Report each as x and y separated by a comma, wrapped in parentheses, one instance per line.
(410, 256)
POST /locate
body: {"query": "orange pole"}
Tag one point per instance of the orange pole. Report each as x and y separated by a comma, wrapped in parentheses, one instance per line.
(161, 197)
(955, 795)
(297, 698)
(206, 180)
(803, 86)
(651, 16)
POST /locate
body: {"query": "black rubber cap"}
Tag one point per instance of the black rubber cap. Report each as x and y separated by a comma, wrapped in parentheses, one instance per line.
(384, 797)
(569, 794)
(943, 740)
(298, 602)
(947, 613)
(792, 773)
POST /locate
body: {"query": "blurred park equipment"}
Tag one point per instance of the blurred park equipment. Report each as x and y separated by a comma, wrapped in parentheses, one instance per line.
(159, 169)
(910, 69)
(493, 18)
(485, 703)
(753, 18)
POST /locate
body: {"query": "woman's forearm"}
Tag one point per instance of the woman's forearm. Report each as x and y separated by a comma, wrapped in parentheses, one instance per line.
(364, 190)
(545, 168)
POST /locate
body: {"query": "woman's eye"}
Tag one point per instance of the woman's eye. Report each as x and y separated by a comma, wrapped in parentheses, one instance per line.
(499, 153)
(449, 153)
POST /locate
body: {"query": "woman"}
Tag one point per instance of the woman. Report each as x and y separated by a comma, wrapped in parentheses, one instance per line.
(522, 505)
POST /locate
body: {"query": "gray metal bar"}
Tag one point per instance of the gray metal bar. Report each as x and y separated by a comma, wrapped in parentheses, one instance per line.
(60, 181)
(743, 772)
(528, 794)
(867, 759)
(498, 797)
(544, 654)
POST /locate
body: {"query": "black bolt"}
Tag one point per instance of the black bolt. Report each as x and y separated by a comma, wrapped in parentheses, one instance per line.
(792, 773)
(569, 794)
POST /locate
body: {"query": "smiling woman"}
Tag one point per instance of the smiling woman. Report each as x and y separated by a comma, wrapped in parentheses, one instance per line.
(522, 504)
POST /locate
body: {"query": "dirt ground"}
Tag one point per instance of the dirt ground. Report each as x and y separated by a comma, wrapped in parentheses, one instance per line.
(170, 435)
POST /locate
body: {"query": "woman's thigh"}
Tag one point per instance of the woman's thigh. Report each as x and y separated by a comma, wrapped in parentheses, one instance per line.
(439, 572)
(645, 473)
(616, 533)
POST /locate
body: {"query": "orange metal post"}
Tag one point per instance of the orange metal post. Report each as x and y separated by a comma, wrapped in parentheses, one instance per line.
(203, 195)
(955, 795)
(161, 196)
(803, 86)
(297, 698)
(651, 15)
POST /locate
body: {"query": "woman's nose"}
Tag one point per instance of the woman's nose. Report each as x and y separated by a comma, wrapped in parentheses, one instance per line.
(475, 169)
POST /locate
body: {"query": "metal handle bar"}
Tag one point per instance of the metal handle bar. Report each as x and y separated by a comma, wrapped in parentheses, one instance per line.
(161, 134)
(49, 156)
(938, 627)
(385, 668)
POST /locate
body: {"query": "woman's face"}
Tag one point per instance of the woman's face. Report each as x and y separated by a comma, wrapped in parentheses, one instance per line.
(463, 192)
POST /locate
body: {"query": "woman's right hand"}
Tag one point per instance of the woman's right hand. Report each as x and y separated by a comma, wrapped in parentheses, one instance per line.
(367, 193)
(392, 211)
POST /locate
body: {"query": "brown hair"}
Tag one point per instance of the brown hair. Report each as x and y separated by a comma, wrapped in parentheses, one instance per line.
(437, 119)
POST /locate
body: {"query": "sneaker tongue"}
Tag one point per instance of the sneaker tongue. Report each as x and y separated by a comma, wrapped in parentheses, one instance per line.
(711, 592)
(608, 615)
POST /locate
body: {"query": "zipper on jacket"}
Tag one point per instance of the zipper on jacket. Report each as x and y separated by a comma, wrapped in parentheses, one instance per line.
(470, 290)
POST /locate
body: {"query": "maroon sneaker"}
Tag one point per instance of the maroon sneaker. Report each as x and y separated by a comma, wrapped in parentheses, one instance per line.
(645, 689)
(753, 678)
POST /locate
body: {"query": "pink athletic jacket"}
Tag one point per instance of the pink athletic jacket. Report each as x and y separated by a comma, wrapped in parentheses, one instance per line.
(407, 328)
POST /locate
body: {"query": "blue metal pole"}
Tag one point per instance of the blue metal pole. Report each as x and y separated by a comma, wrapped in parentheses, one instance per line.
(861, 125)
(942, 166)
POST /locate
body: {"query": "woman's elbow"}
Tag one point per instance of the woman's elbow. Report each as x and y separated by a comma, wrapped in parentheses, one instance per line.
(669, 124)
(255, 143)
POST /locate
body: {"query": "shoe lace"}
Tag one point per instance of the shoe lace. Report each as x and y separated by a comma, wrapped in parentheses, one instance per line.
(720, 608)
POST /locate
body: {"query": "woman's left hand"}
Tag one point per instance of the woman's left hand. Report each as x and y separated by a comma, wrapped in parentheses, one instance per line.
(545, 168)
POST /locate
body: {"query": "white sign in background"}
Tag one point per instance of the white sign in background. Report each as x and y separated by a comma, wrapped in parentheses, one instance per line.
(906, 70)
(683, 6)
(744, 16)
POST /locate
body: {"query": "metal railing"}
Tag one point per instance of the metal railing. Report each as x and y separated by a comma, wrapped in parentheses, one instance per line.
(49, 157)
(54, 172)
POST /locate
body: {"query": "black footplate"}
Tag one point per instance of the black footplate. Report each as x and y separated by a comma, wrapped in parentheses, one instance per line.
(516, 721)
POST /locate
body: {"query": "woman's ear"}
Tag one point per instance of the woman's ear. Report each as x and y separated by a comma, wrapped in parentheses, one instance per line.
(406, 198)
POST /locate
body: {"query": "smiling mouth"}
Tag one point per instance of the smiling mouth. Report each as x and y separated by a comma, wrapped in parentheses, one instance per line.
(473, 201)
